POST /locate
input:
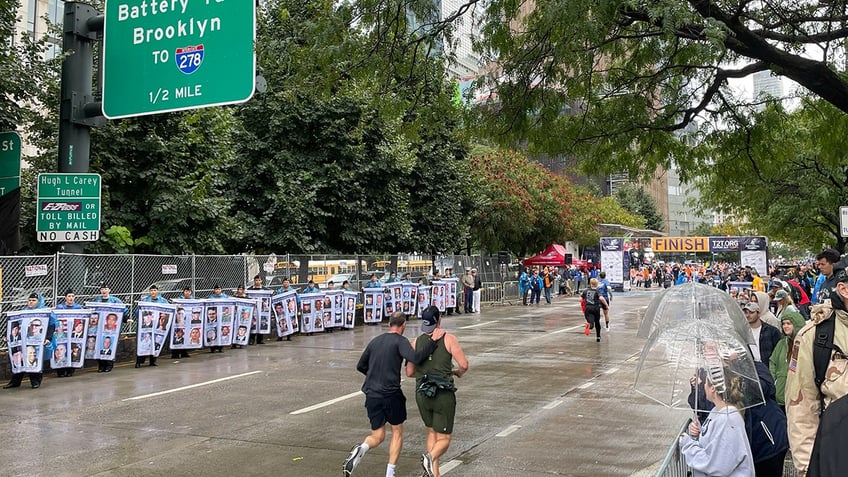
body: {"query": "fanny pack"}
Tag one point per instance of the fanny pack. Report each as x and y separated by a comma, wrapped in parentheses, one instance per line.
(429, 385)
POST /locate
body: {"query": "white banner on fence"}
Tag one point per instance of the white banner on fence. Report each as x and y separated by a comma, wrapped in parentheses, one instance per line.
(104, 326)
(35, 270)
(70, 335)
(25, 335)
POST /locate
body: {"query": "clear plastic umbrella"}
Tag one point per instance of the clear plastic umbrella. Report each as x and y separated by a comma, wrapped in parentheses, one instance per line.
(694, 302)
(680, 351)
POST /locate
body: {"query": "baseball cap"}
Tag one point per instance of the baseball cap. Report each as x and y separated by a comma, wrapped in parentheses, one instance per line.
(781, 294)
(429, 319)
(751, 306)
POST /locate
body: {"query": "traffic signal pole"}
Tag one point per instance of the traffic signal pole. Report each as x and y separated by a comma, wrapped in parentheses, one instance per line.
(79, 110)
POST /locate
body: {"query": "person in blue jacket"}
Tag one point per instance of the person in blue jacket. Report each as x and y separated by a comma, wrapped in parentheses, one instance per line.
(392, 278)
(69, 303)
(152, 297)
(524, 285)
(36, 301)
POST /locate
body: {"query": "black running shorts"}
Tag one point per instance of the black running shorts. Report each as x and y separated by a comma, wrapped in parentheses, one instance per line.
(391, 409)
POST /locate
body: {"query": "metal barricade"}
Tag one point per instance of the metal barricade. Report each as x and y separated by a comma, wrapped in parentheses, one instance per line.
(510, 291)
(491, 292)
(674, 465)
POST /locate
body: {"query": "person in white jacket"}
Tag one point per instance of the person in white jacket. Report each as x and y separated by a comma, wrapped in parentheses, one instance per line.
(719, 446)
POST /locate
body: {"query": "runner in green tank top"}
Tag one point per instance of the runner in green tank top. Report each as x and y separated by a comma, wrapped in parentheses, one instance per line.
(435, 390)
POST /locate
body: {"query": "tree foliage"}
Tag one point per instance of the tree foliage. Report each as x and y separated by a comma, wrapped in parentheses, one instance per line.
(22, 72)
(163, 180)
(341, 154)
(785, 172)
(525, 207)
(635, 200)
(613, 81)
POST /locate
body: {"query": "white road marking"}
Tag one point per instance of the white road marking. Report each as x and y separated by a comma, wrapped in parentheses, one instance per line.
(553, 404)
(326, 403)
(585, 385)
(183, 388)
(447, 467)
(611, 370)
(509, 430)
(631, 359)
(477, 325)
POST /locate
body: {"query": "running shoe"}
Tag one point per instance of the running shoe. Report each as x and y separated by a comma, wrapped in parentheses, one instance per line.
(352, 460)
(607, 327)
(427, 465)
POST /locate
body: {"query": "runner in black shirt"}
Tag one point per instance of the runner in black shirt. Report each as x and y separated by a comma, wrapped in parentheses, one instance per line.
(384, 400)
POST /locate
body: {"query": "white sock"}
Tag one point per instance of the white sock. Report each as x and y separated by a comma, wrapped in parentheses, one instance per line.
(390, 470)
(364, 448)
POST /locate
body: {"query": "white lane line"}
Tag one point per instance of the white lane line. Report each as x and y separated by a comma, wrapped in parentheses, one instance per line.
(449, 466)
(611, 370)
(553, 404)
(585, 385)
(169, 391)
(477, 325)
(326, 403)
(509, 430)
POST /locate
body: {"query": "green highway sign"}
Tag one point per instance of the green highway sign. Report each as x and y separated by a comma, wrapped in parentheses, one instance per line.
(68, 208)
(10, 162)
(171, 55)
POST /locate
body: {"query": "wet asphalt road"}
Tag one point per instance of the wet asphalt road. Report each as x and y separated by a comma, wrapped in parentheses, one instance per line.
(540, 399)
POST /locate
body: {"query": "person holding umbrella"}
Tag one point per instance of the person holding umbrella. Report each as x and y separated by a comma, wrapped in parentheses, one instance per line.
(719, 446)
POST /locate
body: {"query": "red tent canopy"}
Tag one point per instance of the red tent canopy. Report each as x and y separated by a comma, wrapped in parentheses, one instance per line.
(554, 256)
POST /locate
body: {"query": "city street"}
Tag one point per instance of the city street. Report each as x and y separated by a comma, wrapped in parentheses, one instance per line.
(540, 399)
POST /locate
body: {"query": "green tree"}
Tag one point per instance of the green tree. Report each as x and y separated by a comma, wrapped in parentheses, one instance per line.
(23, 71)
(348, 157)
(164, 181)
(525, 207)
(785, 173)
(634, 199)
(613, 81)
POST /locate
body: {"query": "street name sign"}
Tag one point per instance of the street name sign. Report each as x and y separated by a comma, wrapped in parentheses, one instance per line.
(68, 208)
(10, 162)
(172, 55)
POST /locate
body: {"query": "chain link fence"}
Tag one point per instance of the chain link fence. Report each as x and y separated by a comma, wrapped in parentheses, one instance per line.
(130, 276)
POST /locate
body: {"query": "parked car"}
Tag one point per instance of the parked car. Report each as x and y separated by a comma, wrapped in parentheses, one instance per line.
(17, 299)
(170, 289)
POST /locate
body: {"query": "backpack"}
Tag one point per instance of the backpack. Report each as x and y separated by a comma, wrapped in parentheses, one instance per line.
(828, 458)
(765, 424)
